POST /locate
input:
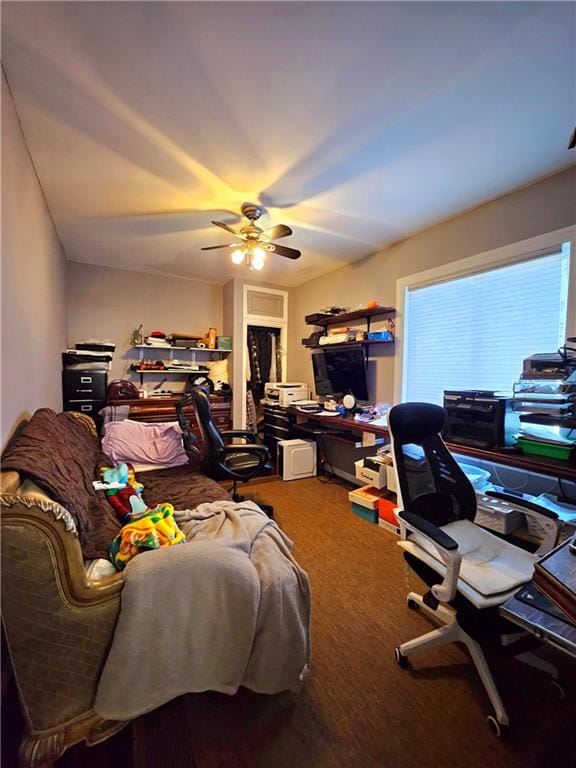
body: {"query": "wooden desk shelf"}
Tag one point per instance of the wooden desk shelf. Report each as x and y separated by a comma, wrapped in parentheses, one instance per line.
(564, 470)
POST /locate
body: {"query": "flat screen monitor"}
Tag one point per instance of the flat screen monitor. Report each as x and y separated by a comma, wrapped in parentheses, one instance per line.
(340, 371)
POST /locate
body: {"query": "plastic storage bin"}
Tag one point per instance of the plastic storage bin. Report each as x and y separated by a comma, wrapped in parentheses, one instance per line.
(540, 448)
(478, 477)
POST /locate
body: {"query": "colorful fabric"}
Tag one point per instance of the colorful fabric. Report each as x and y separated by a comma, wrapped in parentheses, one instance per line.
(126, 501)
(153, 529)
(127, 504)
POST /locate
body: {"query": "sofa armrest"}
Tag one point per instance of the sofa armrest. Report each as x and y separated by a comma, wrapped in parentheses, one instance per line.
(58, 624)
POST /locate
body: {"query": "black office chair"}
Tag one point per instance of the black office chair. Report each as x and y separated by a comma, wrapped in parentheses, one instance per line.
(469, 571)
(239, 462)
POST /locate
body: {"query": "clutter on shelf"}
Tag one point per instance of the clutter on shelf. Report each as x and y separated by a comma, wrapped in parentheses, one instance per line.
(182, 340)
(545, 401)
(89, 355)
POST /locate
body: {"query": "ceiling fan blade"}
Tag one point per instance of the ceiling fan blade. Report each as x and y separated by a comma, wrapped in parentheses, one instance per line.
(282, 250)
(280, 230)
(154, 223)
(214, 247)
(226, 227)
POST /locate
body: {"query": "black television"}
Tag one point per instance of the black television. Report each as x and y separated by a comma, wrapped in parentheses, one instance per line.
(341, 370)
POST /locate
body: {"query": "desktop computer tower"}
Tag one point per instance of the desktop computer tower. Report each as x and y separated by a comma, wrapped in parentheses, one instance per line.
(296, 459)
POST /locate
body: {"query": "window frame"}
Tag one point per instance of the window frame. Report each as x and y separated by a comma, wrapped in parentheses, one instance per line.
(524, 250)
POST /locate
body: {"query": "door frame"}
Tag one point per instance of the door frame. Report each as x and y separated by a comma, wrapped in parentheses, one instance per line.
(263, 321)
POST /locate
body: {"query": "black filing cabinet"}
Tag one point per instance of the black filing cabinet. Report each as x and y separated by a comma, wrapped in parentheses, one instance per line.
(278, 425)
(84, 391)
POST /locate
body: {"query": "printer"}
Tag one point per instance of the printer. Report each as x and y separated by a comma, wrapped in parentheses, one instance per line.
(480, 419)
(285, 393)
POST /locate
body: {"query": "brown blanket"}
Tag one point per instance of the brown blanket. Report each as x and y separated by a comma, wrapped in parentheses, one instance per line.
(184, 487)
(60, 454)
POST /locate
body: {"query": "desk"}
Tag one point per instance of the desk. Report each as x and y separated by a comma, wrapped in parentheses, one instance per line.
(565, 470)
(542, 625)
(160, 409)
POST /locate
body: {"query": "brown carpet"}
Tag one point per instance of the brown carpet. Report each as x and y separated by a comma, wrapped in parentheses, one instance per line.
(358, 708)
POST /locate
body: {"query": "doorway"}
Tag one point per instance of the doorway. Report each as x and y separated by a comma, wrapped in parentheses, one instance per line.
(265, 313)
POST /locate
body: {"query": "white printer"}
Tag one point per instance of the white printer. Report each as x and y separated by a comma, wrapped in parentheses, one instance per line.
(284, 394)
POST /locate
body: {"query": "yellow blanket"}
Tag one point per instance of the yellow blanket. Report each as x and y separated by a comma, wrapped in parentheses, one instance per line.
(152, 529)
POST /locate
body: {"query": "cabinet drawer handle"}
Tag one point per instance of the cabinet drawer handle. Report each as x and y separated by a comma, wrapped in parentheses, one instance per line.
(85, 390)
(85, 379)
(85, 407)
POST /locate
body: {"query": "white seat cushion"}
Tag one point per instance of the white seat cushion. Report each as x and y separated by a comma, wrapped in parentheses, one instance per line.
(489, 565)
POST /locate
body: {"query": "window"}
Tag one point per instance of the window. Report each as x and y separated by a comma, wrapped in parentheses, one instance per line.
(473, 331)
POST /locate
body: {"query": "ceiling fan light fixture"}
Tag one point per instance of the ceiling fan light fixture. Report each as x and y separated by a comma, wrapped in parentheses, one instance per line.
(258, 257)
(256, 242)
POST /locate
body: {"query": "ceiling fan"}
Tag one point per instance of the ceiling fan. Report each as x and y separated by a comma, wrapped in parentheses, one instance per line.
(256, 241)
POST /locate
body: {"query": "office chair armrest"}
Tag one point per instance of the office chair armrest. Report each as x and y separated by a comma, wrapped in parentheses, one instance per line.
(431, 531)
(247, 435)
(446, 547)
(259, 450)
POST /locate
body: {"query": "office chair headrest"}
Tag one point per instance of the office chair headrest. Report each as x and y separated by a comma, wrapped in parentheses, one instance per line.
(411, 422)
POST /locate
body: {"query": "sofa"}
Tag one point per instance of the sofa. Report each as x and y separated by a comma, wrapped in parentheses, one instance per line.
(58, 619)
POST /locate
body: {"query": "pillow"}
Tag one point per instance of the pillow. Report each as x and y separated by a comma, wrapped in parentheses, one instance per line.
(218, 371)
(141, 443)
(99, 569)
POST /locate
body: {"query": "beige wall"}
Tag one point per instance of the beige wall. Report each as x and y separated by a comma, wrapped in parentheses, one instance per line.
(542, 207)
(108, 303)
(33, 285)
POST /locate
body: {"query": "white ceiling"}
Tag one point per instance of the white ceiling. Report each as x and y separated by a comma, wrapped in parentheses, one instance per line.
(355, 123)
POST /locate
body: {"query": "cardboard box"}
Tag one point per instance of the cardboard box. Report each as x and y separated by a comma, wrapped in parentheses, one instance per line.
(365, 502)
(376, 478)
(391, 479)
(388, 526)
(367, 496)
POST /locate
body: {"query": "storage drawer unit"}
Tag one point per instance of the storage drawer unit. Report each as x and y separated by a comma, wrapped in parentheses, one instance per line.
(84, 385)
(278, 425)
(84, 391)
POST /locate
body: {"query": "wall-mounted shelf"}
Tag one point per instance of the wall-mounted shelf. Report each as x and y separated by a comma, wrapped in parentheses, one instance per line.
(158, 351)
(364, 342)
(169, 347)
(169, 370)
(324, 320)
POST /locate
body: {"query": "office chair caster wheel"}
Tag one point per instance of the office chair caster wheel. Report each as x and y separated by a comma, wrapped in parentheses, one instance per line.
(401, 660)
(412, 604)
(558, 690)
(499, 729)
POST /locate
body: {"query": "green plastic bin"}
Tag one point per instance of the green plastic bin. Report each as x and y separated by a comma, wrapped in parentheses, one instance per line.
(538, 448)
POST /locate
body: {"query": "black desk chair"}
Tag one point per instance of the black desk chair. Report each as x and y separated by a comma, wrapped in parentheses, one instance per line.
(238, 463)
(469, 571)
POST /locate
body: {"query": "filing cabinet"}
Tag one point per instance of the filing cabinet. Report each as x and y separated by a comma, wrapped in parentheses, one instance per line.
(84, 391)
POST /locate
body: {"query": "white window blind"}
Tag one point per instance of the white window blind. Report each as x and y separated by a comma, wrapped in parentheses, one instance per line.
(473, 332)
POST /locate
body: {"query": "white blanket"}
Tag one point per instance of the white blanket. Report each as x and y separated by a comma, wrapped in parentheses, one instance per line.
(229, 607)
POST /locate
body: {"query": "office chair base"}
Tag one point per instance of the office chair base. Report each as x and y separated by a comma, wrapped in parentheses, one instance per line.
(452, 632)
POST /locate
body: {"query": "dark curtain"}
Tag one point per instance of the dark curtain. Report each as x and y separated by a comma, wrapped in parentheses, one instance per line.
(260, 355)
